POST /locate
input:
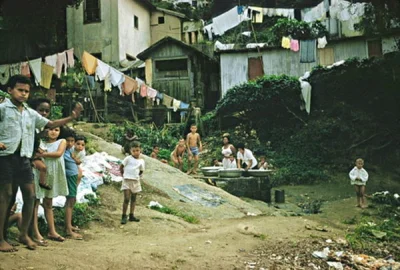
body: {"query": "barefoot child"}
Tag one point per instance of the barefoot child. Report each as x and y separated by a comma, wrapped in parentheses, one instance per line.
(177, 154)
(43, 107)
(78, 154)
(54, 160)
(132, 169)
(71, 172)
(17, 130)
(193, 142)
(359, 177)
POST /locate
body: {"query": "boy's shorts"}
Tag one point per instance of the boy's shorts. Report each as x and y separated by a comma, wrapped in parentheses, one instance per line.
(131, 184)
(72, 182)
(15, 170)
(195, 151)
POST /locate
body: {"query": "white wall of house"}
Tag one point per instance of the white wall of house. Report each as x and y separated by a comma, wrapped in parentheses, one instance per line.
(131, 40)
(172, 26)
(234, 66)
(389, 44)
(100, 37)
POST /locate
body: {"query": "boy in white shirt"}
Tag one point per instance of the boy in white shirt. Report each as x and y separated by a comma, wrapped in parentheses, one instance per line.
(132, 169)
(359, 177)
(231, 163)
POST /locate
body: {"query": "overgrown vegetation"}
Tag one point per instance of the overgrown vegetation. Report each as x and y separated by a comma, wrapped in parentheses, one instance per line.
(149, 135)
(354, 113)
(82, 215)
(170, 211)
(379, 231)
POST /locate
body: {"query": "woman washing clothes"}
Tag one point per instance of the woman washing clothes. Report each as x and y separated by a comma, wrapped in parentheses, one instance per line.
(227, 150)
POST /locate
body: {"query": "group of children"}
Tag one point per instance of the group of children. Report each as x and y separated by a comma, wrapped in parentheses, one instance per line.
(56, 170)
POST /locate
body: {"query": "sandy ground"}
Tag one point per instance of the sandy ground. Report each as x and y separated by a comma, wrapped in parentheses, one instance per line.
(225, 238)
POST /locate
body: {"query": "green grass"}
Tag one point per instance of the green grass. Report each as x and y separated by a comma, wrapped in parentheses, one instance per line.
(170, 211)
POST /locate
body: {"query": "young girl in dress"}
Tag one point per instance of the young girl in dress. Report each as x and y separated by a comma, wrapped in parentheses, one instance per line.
(54, 160)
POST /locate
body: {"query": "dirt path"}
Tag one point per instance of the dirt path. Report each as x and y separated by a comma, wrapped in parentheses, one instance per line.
(225, 238)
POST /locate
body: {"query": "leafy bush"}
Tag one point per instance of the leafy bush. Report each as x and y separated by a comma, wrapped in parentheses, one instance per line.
(166, 137)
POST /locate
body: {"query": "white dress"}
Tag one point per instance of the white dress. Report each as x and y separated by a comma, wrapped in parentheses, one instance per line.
(55, 174)
(226, 152)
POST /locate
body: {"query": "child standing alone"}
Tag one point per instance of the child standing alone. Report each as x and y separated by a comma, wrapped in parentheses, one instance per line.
(359, 177)
(132, 169)
(194, 145)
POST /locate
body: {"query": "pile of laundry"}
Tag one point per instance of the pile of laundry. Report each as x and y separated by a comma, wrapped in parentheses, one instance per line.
(346, 260)
(98, 168)
(385, 197)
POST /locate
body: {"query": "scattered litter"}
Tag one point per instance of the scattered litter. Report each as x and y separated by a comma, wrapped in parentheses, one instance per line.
(329, 241)
(251, 214)
(208, 242)
(321, 254)
(154, 204)
(335, 265)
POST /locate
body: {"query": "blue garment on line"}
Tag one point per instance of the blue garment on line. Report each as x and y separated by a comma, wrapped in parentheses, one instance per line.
(183, 106)
(307, 51)
(240, 9)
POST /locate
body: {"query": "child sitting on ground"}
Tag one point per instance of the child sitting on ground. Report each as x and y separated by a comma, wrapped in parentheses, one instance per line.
(155, 152)
(132, 169)
(15, 218)
(177, 154)
(359, 177)
(79, 154)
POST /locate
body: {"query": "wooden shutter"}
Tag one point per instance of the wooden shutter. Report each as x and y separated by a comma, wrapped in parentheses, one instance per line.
(256, 68)
(326, 56)
(374, 48)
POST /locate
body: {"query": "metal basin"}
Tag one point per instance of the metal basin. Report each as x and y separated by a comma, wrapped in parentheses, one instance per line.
(230, 173)
(210, 171)
(259, 173)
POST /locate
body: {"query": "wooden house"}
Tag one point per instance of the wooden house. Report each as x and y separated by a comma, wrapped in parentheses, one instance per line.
(182, 72)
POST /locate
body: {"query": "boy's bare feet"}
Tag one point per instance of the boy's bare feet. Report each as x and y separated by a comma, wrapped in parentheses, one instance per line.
(74, 236)
(41, 242)
(28, 242)
(57, 238)
(6, 247)
(189, 172)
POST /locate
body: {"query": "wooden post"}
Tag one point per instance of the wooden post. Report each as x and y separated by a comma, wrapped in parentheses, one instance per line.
(105, 106)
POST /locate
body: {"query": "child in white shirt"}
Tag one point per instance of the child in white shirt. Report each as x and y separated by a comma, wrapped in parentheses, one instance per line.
(359, 177)
(132, 169)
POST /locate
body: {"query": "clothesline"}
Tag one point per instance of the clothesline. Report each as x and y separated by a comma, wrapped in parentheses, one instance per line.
(41, 71)
(127, 85)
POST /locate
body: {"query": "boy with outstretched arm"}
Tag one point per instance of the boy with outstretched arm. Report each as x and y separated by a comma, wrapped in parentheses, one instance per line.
(194, 145)
(17, 131)
(132, 169)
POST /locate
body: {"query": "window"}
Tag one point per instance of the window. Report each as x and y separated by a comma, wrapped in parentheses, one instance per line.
(161, 20)
(135, 22)
(256, 67)
(97, 55)
(326, 56)
(91, 11)
(374, 48)
(174, 68)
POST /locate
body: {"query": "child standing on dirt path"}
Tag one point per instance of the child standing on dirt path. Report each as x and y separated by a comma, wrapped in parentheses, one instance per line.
(72, 174)
(359, 177)
(193, 142)
(132, 169)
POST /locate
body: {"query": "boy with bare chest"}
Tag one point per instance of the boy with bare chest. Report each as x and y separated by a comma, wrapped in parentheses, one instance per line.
(193, 142)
